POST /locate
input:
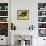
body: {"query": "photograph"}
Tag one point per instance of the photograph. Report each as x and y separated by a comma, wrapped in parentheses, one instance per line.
(23, 14)
(3, 19)
(41, 25)
(41, 6)
(3, 13)
(3, 6)
(41, 19)
(4, 29)
(42, 32)
(41, 13)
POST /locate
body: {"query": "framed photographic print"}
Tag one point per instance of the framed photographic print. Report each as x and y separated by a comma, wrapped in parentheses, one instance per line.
(23, 14)
(42, 32)
(4, 29)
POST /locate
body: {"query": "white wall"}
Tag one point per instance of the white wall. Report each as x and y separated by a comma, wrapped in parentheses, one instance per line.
(24, 5)
(32, 6)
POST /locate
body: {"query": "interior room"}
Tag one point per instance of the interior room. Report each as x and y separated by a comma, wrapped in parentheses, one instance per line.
(22, 22)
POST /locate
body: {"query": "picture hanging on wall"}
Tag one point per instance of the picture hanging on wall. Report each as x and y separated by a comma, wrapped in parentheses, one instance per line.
(23, 14)
(42, 33)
